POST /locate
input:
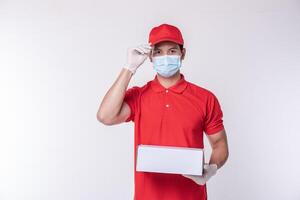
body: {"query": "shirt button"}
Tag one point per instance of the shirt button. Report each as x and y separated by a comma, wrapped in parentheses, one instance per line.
(167, 105)
(167, 91)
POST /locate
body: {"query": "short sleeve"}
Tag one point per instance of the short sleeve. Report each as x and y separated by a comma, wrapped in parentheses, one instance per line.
(213, 120)
(131, 98)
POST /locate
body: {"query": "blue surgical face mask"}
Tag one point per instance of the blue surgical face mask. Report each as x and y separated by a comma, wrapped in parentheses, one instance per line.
(167, 65)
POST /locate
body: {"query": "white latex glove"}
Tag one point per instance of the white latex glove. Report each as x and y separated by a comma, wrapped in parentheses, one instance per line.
(136, 56)
(208, 172)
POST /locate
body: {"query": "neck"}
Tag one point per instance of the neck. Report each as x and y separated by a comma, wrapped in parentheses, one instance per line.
(170, 81)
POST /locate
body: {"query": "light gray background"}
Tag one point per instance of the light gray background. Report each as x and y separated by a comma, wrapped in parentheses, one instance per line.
(58, 58)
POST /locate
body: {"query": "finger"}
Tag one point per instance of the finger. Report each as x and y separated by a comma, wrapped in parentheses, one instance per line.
(147, 46)
(149, 53)
(139, 50)
(145, 50)
(206, 166)
(188, 176)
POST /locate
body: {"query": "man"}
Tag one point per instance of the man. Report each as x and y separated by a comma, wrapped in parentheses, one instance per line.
(166, 111)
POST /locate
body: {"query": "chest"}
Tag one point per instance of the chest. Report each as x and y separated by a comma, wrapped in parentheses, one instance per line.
(169, 109)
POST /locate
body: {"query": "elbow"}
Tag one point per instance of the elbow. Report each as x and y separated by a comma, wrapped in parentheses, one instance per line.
(103, 119)
(226, 155)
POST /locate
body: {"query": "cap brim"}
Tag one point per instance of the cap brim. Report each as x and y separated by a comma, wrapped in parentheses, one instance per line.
(166, 39)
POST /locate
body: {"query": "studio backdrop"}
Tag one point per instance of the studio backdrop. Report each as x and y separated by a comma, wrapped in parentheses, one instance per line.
(59, 58)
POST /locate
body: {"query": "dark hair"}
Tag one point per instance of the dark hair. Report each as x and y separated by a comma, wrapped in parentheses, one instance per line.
(181, 46)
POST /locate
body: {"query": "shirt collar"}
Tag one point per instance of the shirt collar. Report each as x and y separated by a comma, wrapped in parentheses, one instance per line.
(179, 86)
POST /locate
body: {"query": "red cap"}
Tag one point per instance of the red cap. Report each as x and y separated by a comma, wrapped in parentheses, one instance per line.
(165, 32)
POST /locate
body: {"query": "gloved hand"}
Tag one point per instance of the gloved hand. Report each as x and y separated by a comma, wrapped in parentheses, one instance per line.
(136, 56)
(209, 171)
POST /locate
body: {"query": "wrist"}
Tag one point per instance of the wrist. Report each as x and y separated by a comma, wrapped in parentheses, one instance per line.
(130, 70)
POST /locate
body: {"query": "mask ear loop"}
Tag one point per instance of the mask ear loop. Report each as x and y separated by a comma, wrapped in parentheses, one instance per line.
(150, 55)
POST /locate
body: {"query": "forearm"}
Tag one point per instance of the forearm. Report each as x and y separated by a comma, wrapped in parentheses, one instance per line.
(219, 154)
(113, 99)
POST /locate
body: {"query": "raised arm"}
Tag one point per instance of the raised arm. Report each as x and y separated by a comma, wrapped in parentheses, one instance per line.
(113, 109)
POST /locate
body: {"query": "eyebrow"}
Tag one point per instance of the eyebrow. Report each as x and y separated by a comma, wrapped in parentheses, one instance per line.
(157, 48)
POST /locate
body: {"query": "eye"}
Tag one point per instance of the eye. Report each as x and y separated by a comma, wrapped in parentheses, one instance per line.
(157, 52)
(173, 51)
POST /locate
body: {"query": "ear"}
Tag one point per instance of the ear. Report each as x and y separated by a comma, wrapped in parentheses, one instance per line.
(183, 53)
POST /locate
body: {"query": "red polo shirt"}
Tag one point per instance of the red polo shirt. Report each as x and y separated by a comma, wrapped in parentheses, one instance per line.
(174, 116)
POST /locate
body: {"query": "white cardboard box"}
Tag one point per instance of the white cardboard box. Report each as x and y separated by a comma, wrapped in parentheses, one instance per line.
(172, 160)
